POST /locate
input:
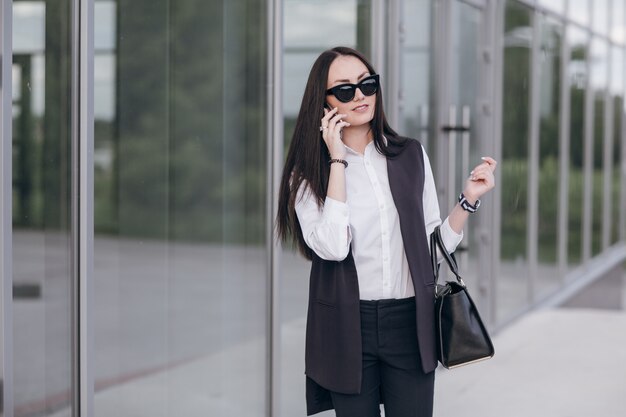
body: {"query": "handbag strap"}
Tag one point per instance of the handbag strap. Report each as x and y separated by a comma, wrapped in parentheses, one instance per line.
(436, 241)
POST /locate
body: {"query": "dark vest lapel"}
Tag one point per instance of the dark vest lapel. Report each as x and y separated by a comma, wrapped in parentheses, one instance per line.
(406, 181)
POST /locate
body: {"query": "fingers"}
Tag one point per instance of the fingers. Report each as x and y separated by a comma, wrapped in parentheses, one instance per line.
(332, 124)
(335, 124)
(481, 179)
(491, 163)
(328, 114)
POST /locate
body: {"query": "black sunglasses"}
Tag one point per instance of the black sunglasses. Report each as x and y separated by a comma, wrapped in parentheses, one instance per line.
(346, 92)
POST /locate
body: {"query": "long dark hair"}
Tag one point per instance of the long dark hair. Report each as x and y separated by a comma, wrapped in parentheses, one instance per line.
(307, 158)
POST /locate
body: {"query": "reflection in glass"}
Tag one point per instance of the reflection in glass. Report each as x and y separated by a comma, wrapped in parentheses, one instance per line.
(600, 12)
(415, 67)
(618, 25)
(309, 30)
(617, 97)
(577, 81)
(549, 114)
(554, 5)
(579, 11)
(180, 208)
(42, 261)
(463, 148)
(518, 34)
(599, 68)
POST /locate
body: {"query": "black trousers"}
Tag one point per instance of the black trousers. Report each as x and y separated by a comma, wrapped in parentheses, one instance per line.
(392, 366)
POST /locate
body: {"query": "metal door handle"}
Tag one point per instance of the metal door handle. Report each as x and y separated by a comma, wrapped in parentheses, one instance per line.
(455, 129)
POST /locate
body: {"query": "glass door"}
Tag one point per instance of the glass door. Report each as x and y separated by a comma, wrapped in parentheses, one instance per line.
(461, 130)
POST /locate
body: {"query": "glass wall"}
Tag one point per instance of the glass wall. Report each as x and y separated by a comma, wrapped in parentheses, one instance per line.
(518, 39)
(615, 150)
(180, 208)
(42, 258)
(599, 79)
(181, 165)
(577, 73)
(549, 135)
(579, 11)
(308, 31)
(416, 99)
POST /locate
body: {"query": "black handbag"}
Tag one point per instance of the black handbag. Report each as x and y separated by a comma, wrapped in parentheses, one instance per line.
(462, 338)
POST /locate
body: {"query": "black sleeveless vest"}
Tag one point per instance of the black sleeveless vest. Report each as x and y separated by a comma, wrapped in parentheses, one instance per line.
(333, 334)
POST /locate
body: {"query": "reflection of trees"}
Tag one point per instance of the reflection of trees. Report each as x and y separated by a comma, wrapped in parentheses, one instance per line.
(24, 148)
(188, 138)
(516, 135)
(42, 157)
(515, 129)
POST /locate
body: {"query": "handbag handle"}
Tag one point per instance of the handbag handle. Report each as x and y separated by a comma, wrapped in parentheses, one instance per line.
(436, 241)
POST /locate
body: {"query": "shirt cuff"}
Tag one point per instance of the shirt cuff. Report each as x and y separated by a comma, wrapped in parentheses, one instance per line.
(335, 211)
(451, 239)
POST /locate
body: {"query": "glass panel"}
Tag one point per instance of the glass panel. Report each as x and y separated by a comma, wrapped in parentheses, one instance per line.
(617, 96)
(618, 29)
(577, 81)
(599, 68)
(555, 5)
(42, 261)
(465, 72)
(579, 11)
(549, 132)
(600, 10)
(180, 208)
(518, 34)
(309, 30)
(415, 67)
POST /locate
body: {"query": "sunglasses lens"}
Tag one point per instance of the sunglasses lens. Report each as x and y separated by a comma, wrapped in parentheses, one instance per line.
(368, 87)
(344, 93)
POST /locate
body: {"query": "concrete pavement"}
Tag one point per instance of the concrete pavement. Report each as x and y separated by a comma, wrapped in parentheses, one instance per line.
(550, 363)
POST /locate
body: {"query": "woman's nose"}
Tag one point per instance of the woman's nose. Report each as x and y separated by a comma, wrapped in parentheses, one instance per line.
(358, 95)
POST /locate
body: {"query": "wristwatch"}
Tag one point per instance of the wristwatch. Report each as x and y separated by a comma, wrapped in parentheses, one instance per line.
(467, 206)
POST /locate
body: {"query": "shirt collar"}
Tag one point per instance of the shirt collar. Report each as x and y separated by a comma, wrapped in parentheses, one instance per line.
(352, 151)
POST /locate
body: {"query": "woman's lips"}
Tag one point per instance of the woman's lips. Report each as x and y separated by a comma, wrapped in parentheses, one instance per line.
(360, 109)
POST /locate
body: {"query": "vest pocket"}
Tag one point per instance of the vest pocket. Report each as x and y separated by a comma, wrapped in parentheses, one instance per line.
(325, 303)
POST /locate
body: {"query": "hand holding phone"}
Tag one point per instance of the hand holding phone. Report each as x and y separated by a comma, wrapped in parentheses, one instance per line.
(331, 126)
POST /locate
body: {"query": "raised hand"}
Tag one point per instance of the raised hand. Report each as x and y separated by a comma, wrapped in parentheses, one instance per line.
(331, 125)
(481, 179)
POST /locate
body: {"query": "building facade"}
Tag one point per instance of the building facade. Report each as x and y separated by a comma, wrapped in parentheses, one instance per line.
(141, 147)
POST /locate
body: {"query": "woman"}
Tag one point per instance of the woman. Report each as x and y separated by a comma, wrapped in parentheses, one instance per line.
(359, 201)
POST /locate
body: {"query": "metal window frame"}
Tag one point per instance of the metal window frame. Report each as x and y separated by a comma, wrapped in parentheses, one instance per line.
(533, 160)
(607, 161)
(489, 222)
(499, 10)
(587, 159)
(274, 151)
(82, 119)
(622, 159)
(377, 37)
(393, 79)
(564, 155)
(6, 191)
(622, 214)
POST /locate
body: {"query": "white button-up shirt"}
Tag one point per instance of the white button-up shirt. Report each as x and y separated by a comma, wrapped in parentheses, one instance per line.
(369, 221)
